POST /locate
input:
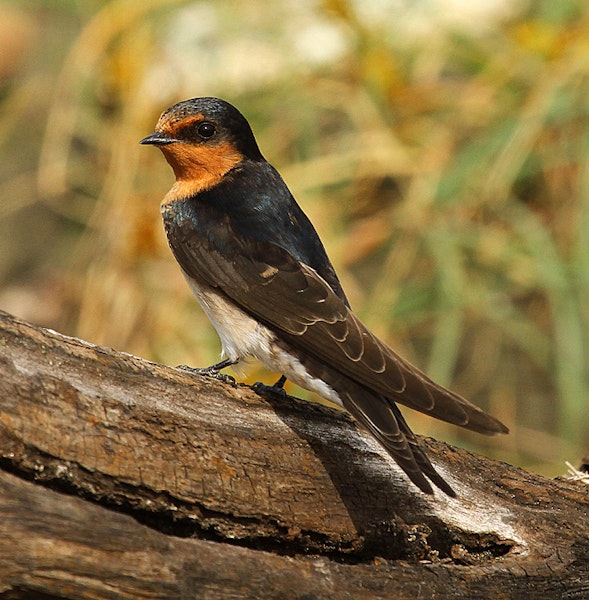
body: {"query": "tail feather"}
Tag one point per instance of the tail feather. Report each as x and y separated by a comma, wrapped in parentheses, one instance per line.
(386, 423)
(380, 415)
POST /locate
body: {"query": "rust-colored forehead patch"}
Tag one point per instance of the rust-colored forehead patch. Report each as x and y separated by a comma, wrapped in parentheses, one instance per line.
(170, 121)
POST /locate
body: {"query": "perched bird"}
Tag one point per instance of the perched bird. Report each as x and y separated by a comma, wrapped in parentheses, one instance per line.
(261, 274)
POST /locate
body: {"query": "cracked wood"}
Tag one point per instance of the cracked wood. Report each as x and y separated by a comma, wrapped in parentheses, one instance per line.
(156, 454)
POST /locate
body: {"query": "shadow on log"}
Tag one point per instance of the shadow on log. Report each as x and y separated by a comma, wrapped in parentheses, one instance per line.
(121, 478)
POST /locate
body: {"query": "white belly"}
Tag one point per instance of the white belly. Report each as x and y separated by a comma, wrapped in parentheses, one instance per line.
(242, 337)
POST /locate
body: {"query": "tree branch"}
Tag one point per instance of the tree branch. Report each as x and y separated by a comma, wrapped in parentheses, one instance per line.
(122, 478)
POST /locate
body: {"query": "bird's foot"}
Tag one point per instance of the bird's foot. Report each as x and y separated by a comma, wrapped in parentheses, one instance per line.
(214, 371)
(276, 389)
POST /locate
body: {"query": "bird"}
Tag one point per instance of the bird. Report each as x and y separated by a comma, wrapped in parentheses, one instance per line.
(261, 274)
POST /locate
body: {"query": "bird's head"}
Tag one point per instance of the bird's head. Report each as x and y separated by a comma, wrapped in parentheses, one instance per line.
(203, 139)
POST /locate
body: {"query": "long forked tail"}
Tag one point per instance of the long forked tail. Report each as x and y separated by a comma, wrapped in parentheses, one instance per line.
(382, 418)
(385, 422)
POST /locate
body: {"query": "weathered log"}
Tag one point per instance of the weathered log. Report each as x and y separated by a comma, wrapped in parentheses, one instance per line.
(121, 478)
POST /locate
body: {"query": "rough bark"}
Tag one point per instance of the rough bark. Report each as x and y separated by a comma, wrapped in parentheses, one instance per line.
(121, 478)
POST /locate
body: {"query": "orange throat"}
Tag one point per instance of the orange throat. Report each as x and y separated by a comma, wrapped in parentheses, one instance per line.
(198, 167)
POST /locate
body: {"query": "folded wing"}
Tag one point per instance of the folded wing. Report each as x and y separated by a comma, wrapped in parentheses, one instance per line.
(293, 300)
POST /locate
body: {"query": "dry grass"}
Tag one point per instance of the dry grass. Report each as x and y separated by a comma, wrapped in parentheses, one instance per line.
(444, 165)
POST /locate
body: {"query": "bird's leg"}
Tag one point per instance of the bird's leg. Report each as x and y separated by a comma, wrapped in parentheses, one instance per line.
(213, 371)
(276, 389)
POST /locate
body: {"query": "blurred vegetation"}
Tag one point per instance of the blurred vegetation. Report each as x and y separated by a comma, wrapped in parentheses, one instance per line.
(441, 149)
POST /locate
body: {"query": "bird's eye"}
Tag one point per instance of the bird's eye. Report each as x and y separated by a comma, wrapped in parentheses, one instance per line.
(206, 130)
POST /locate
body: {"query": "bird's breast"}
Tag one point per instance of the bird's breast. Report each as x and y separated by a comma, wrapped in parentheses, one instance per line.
(240, 334)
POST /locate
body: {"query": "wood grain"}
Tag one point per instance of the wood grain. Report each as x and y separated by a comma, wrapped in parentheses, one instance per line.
(121, 478)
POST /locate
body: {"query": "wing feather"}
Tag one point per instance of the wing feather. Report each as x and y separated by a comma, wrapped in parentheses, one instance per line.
(300, 306)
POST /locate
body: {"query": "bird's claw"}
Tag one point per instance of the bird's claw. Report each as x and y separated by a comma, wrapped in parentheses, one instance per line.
(273, 390)
(209, 372)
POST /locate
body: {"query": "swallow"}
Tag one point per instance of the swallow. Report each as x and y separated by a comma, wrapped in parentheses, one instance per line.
(262, 276)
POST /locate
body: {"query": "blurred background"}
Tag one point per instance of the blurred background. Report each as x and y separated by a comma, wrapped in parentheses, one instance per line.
(439, 146)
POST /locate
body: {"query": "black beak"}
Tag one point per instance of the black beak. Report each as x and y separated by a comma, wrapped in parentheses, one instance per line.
(157, 139)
